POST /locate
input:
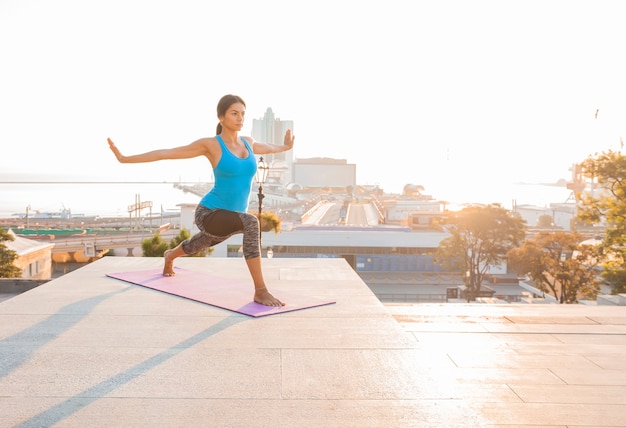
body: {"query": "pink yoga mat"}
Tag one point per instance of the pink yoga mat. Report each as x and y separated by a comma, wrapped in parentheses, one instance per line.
(231, 294)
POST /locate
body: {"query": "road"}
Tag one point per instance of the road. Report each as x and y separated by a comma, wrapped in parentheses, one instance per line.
(331, 213)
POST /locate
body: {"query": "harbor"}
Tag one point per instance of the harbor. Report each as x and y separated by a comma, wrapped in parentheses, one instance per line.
(88, 225)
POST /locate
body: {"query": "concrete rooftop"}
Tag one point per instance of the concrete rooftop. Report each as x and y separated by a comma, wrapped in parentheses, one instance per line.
(85, 350)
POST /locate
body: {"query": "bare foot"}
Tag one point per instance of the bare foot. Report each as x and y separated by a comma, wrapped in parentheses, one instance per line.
(264, 297)
(168, 268)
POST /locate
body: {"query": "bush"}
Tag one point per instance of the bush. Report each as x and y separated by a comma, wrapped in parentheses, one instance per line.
(269, 221)
(183, 235)
(154, 247)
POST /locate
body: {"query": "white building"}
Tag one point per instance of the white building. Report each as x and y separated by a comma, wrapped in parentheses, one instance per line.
(271, 129)
(34, 258)
(561, 214)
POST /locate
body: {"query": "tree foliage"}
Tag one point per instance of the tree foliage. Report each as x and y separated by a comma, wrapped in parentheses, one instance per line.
(607, 172)
(558, 264)
(7, 257)
(154, 247)
(480, 237)
(269, 221)
(183, 235)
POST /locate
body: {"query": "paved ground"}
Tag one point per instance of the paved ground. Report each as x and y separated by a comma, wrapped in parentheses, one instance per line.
(85, 350)
(528, 365)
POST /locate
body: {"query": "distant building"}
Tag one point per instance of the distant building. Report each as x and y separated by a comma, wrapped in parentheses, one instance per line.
(532, 213)
(270, 129)
(562, 214)
(188, 218)
(284, 171)
(417, 213)
(34, 258)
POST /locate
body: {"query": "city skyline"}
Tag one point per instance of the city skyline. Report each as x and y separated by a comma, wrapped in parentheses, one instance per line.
(463, 98)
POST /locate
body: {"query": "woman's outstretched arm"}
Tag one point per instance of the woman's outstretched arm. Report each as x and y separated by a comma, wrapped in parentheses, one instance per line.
(197, 148)
(264, 148)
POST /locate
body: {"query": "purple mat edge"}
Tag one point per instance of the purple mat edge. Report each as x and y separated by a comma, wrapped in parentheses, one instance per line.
(271, 310)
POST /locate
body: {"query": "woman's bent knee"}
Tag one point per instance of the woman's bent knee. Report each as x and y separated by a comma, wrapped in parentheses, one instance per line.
(251, 237)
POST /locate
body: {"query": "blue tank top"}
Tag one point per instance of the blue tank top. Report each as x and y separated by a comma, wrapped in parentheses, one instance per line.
(233, 180)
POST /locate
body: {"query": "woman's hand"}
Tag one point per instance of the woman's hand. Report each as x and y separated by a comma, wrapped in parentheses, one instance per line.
(289, 139)
(115, 151)
(264, 148)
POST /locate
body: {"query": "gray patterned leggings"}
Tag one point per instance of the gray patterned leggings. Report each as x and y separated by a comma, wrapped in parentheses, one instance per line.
(217, 225)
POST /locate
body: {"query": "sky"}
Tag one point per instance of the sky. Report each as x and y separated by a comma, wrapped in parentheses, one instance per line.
(461, 97)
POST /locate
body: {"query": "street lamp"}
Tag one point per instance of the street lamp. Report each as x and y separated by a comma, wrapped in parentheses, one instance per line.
(261, 177)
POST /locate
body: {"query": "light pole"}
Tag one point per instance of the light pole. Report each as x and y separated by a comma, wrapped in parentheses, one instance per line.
(261, 177)
(564, 275)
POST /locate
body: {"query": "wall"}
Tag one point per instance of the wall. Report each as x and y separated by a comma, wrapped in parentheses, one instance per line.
(36, 264)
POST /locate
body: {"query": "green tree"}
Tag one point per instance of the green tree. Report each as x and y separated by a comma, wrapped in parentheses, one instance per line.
(7, 257)
(607, 172)
(183, 235)
(558, 264)
(154, 247)
(480, 237)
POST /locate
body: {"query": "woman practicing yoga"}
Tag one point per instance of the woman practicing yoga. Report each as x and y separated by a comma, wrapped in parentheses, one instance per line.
(222, 212)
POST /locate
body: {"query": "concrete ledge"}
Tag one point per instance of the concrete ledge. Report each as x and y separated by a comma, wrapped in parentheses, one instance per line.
(19, 285)
(11, 287)
(611, 300)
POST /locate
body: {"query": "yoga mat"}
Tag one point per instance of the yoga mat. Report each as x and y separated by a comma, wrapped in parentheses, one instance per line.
(231, 294)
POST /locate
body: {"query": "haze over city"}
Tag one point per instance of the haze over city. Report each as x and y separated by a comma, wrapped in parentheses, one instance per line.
(463, 98)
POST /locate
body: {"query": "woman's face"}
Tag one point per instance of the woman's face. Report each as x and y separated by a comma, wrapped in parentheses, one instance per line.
(234, 117)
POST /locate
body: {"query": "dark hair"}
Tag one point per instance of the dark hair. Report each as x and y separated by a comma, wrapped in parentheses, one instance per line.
(223, 105)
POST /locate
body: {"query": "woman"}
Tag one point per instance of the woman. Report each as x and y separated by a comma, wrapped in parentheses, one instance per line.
(222, 212)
